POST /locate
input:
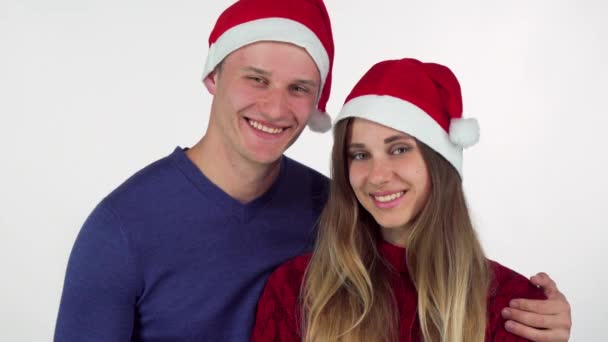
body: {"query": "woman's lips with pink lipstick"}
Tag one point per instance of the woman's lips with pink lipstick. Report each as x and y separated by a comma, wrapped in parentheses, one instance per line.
(387, 199)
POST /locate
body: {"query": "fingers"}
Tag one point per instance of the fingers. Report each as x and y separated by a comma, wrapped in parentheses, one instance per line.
(543, 280)
(540, 320)
(554, 335)
(535, 320)
(545, 307)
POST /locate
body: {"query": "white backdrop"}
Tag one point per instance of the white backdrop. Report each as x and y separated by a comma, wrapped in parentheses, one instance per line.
(91, 91)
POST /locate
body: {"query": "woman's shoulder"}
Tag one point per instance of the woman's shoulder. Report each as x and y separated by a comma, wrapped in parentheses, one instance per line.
(287, 279)
(508, 284)
(278, 308)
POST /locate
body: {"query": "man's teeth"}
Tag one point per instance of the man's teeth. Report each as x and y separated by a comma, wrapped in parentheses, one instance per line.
(263, 128)
(390, 197)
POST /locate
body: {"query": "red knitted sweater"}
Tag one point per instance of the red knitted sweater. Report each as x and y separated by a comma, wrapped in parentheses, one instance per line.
(278, 309)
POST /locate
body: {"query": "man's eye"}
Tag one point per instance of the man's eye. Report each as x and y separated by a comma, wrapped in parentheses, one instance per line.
(299, 89)
(257, 79)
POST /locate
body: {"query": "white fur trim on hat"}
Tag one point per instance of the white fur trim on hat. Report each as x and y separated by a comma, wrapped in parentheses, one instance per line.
(268, 29)
(319, 121)
(464, 132)
(406, 117)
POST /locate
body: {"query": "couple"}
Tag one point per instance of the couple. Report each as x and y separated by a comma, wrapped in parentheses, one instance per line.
(183, 249)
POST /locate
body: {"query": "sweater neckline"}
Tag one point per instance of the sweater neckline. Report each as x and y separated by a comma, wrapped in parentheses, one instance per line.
(220, 199)
(394, 255)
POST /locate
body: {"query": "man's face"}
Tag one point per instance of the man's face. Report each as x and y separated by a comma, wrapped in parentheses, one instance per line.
(264, 94)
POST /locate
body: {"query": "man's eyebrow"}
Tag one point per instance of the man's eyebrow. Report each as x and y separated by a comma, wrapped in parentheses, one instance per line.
(257, 70)
(310, 83)
(397, 137)
(263, 72)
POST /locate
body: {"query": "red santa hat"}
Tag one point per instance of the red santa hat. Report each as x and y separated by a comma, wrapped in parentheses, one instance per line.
(304, 23)
(420, 99)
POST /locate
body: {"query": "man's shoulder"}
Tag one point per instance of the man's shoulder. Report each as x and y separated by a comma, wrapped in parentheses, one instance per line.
(507, 284)
(298, 168)
(151, 179)
(311, 181)
(149, 192)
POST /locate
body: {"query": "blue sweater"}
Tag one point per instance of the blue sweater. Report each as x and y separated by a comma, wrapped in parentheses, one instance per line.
(168, 256)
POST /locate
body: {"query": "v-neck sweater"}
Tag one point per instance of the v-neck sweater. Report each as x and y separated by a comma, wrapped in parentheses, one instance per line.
(169, 256)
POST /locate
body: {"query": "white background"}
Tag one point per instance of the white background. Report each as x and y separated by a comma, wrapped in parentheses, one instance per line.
(91, 91)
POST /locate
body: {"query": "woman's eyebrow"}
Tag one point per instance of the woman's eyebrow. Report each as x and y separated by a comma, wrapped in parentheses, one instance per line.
(397, 137)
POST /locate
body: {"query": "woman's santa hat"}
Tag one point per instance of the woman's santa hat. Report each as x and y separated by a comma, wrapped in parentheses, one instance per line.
(304, 23)
(420, 99)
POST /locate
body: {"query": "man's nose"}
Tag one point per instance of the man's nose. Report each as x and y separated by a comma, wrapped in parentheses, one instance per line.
(274, 104)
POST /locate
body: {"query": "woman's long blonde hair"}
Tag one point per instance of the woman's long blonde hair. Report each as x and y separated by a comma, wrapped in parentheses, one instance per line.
(346, 294)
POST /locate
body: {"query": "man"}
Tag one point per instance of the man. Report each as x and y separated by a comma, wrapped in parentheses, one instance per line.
(181, 250)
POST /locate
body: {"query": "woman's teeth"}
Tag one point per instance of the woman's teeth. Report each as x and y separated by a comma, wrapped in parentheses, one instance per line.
(388, 198)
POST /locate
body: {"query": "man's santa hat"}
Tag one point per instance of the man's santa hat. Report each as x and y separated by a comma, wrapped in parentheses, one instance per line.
(304, 23)
(420, 99)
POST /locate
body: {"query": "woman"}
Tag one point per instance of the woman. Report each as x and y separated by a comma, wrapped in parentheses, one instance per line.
(397, 258)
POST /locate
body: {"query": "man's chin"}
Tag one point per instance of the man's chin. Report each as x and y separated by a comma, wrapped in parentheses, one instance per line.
(265, 158)
(266, 153)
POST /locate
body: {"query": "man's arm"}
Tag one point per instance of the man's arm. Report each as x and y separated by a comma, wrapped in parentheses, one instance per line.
(540, 320)
(100, 289)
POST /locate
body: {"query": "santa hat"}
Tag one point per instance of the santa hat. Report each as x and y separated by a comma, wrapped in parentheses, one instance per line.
(420, 99)
(304, 23)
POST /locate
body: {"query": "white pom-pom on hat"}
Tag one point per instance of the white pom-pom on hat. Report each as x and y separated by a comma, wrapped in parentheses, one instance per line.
(464, 132)
(319, 121)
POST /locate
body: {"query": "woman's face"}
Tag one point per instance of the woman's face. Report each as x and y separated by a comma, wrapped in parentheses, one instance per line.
(388, 175)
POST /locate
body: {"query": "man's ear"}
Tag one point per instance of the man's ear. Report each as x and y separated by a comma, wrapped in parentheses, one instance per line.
(211, 82)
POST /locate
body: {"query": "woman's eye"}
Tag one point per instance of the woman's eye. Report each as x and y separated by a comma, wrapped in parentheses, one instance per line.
(358, 156)
(399, 150)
